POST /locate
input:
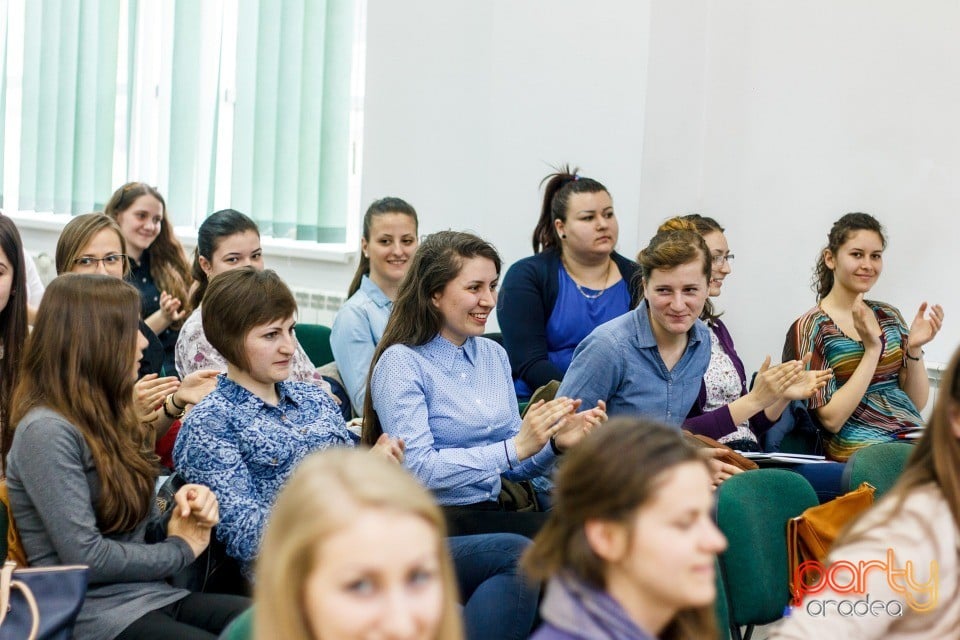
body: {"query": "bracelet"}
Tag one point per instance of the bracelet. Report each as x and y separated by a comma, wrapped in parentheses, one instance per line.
(173, 401)
(554, 447)
(906, 352)
(173, 416)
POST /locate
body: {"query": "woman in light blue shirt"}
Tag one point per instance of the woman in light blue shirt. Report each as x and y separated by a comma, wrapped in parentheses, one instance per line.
(449, 395)
(388, 244)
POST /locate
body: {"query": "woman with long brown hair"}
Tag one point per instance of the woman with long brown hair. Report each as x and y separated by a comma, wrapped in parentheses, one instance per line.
(630, 547)
(81, 471)
(13, 318)
(914, 531)
(158, 264)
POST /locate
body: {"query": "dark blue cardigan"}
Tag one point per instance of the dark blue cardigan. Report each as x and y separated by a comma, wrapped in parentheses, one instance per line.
(527, 297)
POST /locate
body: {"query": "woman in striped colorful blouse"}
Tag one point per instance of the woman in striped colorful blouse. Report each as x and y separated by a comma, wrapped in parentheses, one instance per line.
(880, 382)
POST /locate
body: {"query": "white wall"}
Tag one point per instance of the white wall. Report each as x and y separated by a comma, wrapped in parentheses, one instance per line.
(773, 116)
(793, 114)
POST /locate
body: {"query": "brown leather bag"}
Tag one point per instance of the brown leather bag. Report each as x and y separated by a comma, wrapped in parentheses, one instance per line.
(729, 455)
(811, 534)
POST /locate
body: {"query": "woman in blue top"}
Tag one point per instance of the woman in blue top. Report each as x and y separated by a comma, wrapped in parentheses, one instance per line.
(448, 394)
(388, 244)
(573, 283)
(247, 437)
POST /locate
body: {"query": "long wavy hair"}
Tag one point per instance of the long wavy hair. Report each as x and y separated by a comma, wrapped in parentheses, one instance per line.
(168, 261)
(80, 362)
(376, 209)
(13, 326)
(840, 232)
(609, 476)
(560, 184)
(326, 490)
(935, 459)
(702, 225)
(415, 319)
(78, 233)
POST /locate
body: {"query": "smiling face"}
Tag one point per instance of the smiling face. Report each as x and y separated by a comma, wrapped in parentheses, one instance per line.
(140, 224)
(467, 300)
(102, 255)
(393, 241)
(591, 228)
(365, 585)
(675, 297)
(719, 250)
(857, 264)
(663, 560)
(232, 252)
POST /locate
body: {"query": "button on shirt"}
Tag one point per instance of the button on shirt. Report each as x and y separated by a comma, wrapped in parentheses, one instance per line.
(357, 329)
(619, 362)
(455, 409)
(245, 449)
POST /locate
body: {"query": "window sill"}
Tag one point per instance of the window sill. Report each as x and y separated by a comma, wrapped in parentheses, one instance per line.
(339, 253)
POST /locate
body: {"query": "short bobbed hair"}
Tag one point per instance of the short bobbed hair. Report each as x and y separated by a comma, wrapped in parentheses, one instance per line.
(239, 300)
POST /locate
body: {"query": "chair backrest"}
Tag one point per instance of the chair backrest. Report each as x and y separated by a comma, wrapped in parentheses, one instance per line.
(241, 628)
(879, 464)
(752, 511)
(721, 607)
(315, 340)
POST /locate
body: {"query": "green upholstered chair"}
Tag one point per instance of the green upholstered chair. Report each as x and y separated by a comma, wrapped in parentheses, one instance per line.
(752, 511)
(241, 628)
(721, 608)
(879, 464)
(315, 340)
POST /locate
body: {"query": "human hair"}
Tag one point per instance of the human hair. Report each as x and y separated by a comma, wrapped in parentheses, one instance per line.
(168, 262)
(935, 458)
(80, 362)
(415, 319)
(218, 225)
(13, 325)
(78, 233)
(674, 247)
(609, 476)
(376, 209)
(327, 490)
(556, 195)
(239, 300)
(840, 232)
(703, 225)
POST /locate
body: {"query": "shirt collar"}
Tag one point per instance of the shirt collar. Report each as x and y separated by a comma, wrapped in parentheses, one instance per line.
(445, 353)
(372, 291)
(251, 403)
(143, 263)
(645, 336)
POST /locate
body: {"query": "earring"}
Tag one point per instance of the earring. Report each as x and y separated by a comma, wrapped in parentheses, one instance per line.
(563, 236)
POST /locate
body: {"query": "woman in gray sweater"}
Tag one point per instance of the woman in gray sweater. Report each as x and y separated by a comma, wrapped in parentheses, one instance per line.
(81, 472)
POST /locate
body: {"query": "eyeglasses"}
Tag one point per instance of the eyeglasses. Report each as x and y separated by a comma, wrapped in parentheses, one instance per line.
(112, 260)
(719, 260)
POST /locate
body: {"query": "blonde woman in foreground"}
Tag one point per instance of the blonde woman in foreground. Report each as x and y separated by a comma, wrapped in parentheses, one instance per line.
(355, 549)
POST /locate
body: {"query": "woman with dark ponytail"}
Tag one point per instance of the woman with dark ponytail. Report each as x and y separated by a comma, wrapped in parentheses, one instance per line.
(573, 283)
(880, 383)
(388, 244)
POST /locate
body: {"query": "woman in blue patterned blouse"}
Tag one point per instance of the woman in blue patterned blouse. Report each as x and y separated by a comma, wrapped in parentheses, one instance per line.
(449, 395)
(247, 436)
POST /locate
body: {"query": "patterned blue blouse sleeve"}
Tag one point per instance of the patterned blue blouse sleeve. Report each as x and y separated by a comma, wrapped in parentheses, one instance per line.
(205, 453)
(401, 402)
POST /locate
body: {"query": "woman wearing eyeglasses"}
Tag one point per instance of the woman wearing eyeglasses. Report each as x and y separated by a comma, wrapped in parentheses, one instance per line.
(725, 410)
(93, 243)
